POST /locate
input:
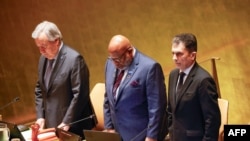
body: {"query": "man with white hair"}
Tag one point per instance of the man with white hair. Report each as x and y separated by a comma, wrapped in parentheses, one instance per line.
(62, 89)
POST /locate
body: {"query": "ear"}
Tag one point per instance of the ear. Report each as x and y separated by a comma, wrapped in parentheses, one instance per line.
(130, 49)
(193, 55)
(58, 41)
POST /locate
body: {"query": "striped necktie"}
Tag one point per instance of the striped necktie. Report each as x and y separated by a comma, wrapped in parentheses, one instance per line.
(117, 82)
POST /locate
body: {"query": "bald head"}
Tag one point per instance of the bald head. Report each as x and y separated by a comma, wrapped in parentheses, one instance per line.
(120, 51)
(118, 43)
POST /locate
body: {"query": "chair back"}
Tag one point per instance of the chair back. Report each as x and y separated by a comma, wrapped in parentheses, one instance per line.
(97, 99)
(223, 105)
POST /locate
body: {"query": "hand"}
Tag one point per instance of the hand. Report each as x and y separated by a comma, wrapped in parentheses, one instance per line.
(63, 126)
(149, 139)
(40, 122)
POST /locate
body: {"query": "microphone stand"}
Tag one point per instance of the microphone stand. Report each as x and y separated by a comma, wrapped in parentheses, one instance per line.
(13, 101)
(89, 117)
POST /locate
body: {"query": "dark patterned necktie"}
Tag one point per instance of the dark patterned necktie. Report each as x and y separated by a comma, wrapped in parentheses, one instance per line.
(180, 83)
(48, 72)
(117, 82)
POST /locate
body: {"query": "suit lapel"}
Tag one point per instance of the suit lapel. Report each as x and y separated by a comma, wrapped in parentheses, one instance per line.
(59, 62)
(114, 75)
(187, 82)
(43, 69)
(130, 72)
(175, 75)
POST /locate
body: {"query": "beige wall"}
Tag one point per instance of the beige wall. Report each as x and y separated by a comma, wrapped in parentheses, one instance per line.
(221, 26)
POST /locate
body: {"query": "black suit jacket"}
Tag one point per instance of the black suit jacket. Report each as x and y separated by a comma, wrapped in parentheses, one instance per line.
(67, 97)
(195, 115)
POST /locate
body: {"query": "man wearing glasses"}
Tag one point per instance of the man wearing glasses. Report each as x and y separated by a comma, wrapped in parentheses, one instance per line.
(135, 97)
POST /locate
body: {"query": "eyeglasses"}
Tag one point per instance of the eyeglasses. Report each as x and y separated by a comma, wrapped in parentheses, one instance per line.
(118, 59)
(45, 45)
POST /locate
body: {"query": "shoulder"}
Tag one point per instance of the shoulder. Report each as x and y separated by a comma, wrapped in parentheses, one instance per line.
(70, 55)
(173, 73)
(201, 75)
(202, 72)
(145, 60)
(175, 70)
(69, 50)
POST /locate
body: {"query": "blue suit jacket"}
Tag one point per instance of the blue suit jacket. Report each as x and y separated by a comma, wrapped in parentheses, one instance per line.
(140, 107)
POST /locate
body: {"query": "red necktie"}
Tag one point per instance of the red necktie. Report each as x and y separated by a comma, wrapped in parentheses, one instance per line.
(117, 82)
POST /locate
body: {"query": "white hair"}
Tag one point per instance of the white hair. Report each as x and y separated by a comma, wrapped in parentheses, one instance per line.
(49, 29)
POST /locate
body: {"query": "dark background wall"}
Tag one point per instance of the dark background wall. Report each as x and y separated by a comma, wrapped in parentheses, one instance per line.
(221, 26)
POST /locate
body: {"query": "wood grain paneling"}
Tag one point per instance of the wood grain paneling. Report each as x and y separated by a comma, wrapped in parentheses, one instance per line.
(222, 29)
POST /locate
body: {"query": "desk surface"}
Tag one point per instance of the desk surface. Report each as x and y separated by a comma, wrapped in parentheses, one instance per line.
(27, 135)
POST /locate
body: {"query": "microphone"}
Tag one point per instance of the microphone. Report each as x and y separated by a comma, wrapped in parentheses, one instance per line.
(89, 117)
(13, 101)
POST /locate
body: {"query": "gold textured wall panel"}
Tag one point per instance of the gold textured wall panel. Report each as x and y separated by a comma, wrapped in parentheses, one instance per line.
(221, 26)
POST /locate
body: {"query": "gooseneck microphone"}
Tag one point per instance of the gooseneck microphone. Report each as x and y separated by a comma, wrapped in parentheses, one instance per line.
(89, 117)
(13, 101)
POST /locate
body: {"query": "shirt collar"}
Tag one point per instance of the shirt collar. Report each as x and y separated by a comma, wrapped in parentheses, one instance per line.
(187, 71)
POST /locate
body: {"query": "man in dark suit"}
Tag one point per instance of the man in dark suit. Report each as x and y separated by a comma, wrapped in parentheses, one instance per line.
(136, 109)
(193, 109)
(62, 89)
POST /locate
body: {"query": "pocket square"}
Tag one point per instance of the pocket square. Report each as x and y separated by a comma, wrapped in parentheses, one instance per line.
(134, 83)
